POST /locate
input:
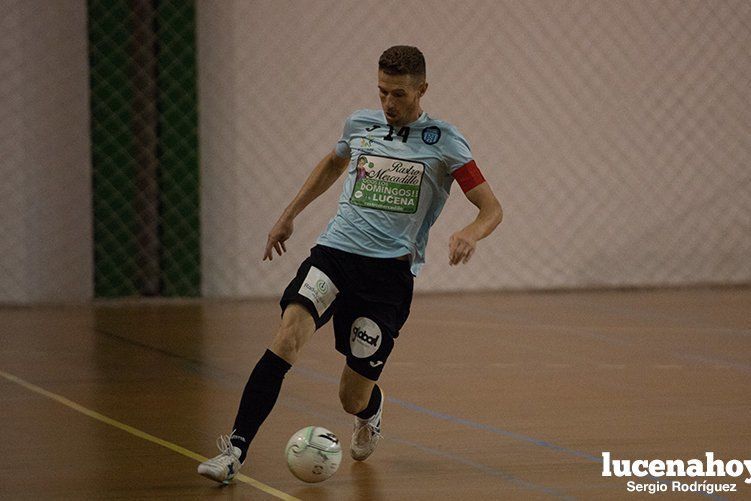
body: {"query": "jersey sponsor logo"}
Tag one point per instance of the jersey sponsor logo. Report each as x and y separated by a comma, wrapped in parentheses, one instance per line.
(386, 183)
(365, 337)
(319, 288)
(431, 135)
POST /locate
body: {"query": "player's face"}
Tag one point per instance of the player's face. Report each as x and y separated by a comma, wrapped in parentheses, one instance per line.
(400, 97)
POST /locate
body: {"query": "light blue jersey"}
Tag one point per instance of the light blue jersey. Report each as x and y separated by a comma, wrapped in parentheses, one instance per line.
(398, 181)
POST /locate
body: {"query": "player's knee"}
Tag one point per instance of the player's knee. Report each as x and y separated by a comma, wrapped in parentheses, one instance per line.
(296, 327)
(285, 344)
(352, 404)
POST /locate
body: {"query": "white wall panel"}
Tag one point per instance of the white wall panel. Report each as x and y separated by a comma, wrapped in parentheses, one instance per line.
(615, 133)
(45, 193)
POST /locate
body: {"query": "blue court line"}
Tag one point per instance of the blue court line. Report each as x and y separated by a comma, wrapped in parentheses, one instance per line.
(492, 429)
(313, 374)
(202, 369)
(612, 341)
(303, 406)
(196, 366)
(485, 469)
(462, 421)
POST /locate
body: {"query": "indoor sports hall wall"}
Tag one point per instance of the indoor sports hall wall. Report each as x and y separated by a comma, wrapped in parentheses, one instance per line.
(616, 133)
(45, 166)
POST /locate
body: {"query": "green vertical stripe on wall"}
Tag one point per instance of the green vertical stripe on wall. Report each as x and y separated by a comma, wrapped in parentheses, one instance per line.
(117, 220)
(111, 138)
(178, 149)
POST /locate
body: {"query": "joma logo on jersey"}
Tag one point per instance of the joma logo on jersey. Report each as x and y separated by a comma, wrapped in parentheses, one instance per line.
(363, 335)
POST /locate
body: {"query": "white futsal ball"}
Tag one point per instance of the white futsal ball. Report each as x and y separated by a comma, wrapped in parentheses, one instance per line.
(313, 454)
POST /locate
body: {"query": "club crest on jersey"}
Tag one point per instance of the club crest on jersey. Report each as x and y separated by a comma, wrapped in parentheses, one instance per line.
(431, 135)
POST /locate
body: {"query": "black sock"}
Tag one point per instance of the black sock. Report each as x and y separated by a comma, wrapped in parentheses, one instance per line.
(258, 399)
(373, 405)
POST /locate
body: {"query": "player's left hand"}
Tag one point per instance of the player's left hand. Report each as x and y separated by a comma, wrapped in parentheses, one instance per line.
(281, 231)
(461, 247)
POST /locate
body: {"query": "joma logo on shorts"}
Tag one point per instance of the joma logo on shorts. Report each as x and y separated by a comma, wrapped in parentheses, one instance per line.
(363, 335)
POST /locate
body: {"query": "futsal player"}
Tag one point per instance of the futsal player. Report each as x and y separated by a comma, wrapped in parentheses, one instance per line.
(400, 164)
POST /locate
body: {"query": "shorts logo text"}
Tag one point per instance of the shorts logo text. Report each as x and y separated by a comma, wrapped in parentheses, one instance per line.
(365, 337)
(361, 334)
(319, 288)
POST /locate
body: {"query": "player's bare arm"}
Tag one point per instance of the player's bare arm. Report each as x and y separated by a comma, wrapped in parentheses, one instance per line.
(323, 176)
(462, 244)
(399, 149)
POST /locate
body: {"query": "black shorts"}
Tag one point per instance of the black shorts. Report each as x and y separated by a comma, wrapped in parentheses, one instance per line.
(368, 297)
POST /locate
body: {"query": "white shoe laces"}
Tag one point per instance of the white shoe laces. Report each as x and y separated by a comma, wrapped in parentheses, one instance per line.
(227, 449)
(374, 431)
(224, 444)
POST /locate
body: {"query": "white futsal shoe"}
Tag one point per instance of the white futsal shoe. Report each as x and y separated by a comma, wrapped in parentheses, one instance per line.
(225, 466)
(366, 435)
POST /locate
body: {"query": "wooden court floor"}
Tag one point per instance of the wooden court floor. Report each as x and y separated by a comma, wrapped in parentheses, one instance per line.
(489, 396)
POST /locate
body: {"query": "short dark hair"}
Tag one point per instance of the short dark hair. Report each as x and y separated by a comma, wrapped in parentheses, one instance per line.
(402, 60)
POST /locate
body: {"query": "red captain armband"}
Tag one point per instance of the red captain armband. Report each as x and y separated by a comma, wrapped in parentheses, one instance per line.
(468, 176)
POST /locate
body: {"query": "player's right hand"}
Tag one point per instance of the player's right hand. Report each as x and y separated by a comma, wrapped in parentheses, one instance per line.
(279, 234)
